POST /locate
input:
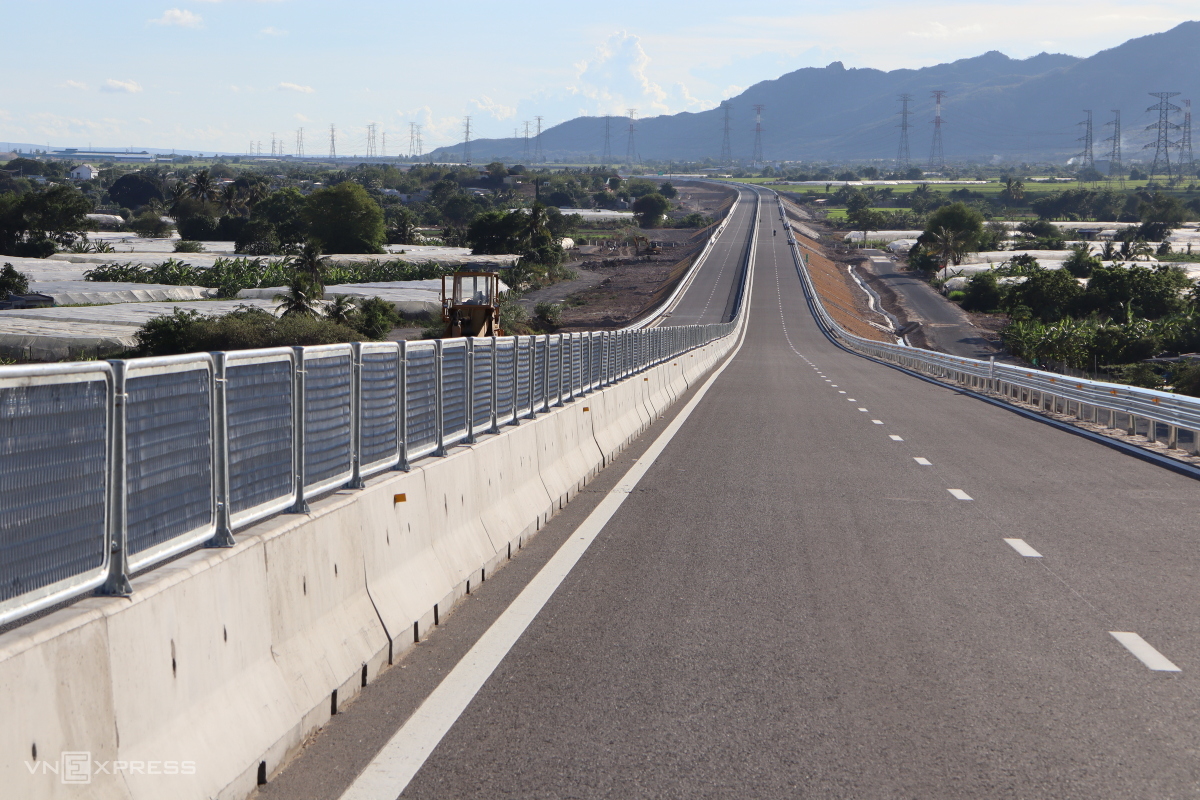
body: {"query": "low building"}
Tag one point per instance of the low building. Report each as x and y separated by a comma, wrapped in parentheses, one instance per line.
(84, 172)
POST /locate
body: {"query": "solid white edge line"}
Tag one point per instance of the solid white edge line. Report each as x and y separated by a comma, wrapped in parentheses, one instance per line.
(1022, 547)
(1142, 650)
(959, 494)
(395, 765)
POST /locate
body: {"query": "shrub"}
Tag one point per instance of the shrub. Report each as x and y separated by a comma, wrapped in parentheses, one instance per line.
(188, 246)
(982, 293)
(186, 331)
(549, 313)
(957, 296)
(150, 225)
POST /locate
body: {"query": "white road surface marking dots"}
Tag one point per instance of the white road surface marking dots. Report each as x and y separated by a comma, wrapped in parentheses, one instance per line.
(841, 392)
(895, 438)
(1142, 650)
(959, 494)
(924, 462)
(1022, 547)
(862, 409)
(877, 421)
(851, 399)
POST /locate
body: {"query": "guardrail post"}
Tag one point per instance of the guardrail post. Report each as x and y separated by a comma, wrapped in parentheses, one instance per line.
(1131, 429)
(561, 360)
(356, 481)
(437, 398)
(402, 407)
(299, 415)
(224, 533)
(495, 383)
(1172, 437)
(545, 399)
(117, 583)
(470, 405)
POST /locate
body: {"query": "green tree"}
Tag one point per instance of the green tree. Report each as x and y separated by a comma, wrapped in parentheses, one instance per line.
(341, 310)
(344, 219)
(135, 189)
(1049, 294)
(649, 209)
(1082, 263)
(962, 221)
(36, 224)
(982, 293)
(302, 297)
(202, 187)
(12, 282)
(496, 232)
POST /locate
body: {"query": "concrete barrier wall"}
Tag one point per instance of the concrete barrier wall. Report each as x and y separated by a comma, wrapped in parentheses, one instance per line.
(222, 662)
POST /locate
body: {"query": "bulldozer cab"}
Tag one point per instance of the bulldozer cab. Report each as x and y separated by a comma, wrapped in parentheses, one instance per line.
(471, 307)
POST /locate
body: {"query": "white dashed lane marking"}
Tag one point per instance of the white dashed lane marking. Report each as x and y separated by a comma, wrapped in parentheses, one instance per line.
(1142, 650)
(1022, 547)
(959, 494)
(924, 462)
(877, 421)
(895, 438)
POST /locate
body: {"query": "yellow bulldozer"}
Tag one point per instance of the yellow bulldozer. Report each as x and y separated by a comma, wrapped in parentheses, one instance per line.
(472, 306)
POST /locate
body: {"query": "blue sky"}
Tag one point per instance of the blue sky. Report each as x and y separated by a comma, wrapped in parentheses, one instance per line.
(218, 74)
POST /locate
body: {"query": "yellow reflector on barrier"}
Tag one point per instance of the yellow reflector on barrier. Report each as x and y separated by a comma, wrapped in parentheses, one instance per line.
(399, 498)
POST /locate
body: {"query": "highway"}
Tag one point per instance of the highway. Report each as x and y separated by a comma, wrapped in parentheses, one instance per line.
(835, 580)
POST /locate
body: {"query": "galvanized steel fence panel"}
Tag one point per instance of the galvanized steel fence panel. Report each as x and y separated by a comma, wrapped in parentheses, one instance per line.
(481, 385)
(328, 457)
(259, 421)
(420, 393)
(506, 380)
(55, 431)
(170, 496)
(378, 432)
(454, 391)
(525, 375)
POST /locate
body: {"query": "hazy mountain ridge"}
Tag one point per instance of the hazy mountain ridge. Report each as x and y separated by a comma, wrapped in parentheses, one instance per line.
(996, 107)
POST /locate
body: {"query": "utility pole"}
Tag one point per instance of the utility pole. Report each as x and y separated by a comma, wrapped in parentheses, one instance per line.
(937, 155)
(903, 159)
(538, 154)
(300, 143)
(607, 158)
(467, 141)
(1087, 161)
(726, 147)
(332, 142)
(757, 158)
(383, 146)
(631, 144)
(1164, 126)
(525, 151)
(371, 140)
(273, 153)
(1115, 169)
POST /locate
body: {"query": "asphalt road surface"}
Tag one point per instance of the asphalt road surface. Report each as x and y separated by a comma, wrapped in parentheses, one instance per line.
(810, 593)
(945, 325)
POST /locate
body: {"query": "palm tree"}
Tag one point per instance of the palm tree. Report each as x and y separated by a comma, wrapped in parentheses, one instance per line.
(949, 244)
(311, 263)
(341, 309)
(175, 194)
(537, 229)
(230, 199)
(1014, 189)
(202, 187)
(302, 296)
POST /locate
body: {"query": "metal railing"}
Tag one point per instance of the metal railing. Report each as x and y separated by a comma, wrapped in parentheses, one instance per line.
(1159, 416)
(108, 468)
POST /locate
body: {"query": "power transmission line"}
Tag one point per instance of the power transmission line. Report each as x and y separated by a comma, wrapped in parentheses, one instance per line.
(333, 141)
(414, 140)
(371, 140)
(467, 141)
(1164, 126)
(607, 158)
(757, 158)
(726, 147)
(903, 159)
(525, 151)
(937, 154)
(538, 155)
(300, 143)
(383, 146)
(1115, 168)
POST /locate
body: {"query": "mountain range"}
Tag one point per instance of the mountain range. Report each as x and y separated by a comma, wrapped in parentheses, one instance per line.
(996, 109)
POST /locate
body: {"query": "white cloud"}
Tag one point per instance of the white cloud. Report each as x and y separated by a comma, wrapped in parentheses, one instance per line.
(497, 111)
(302, 118)
(937, 30)
(146, 121)
(295, 87)
(112, 85)
(180, 18)
(271, 31)
(74, 85)
(617, 78)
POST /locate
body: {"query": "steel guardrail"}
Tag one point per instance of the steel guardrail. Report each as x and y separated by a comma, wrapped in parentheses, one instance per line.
(1113, 405)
